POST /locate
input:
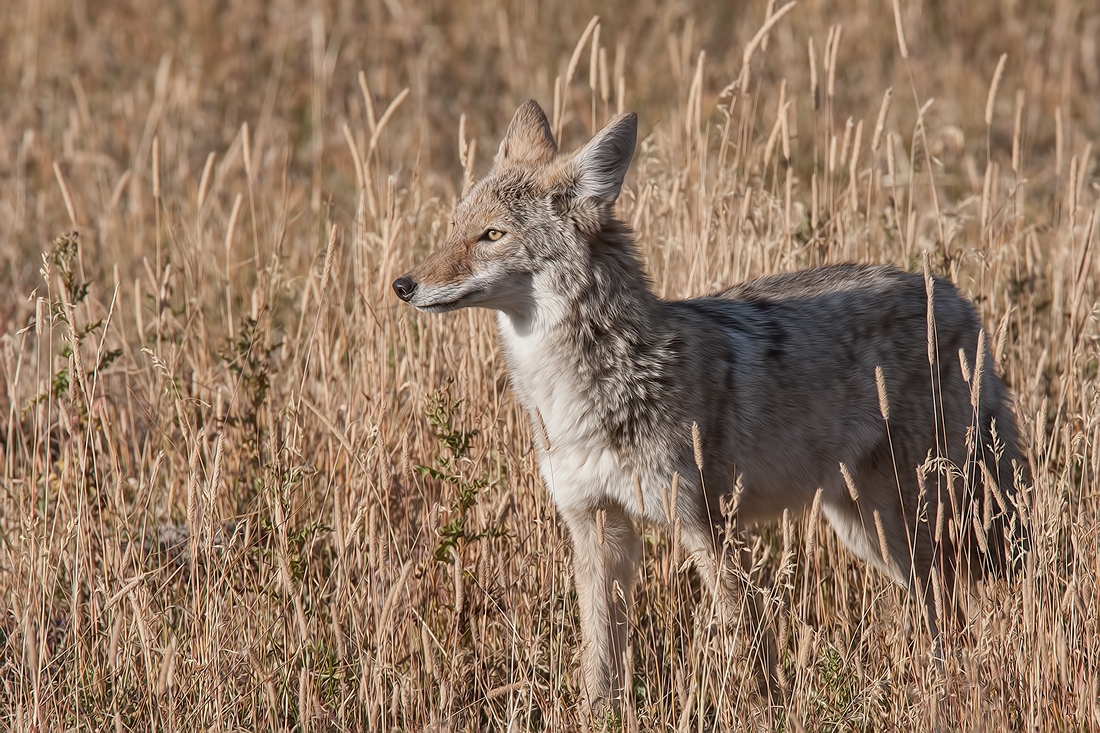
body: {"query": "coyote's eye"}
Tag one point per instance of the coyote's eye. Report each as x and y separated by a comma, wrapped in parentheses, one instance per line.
(492, 234)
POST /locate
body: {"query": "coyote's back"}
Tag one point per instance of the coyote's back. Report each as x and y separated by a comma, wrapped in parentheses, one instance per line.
(868, 384)
(834, 367)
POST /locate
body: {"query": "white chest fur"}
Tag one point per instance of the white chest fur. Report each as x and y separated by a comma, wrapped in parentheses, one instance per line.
(581, 466)
(545, 376)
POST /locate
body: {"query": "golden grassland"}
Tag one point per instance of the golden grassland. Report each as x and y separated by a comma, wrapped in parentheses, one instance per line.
(244, 487)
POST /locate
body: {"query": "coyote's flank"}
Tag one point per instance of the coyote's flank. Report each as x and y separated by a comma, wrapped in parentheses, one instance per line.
(842, 379)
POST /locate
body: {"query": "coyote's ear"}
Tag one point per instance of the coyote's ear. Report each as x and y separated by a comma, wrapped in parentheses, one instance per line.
(528, 140)
(601, 165)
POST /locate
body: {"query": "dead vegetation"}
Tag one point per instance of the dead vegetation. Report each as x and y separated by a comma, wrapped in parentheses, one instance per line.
(243, 487)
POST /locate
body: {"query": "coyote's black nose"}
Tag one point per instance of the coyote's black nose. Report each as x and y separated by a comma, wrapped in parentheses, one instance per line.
(404, 287)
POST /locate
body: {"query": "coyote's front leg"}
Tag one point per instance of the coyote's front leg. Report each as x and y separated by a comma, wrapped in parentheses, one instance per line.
(606, 548)
(725, 568)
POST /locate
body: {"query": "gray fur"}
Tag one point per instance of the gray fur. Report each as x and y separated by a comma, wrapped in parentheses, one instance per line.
(778, 374)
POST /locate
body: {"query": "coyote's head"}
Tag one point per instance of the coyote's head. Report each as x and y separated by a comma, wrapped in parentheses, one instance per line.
(533, 213)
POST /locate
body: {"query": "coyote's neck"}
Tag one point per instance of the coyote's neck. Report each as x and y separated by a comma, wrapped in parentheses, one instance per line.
(586, 352)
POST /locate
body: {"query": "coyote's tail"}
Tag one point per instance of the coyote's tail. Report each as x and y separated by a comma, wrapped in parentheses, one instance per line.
(1003, 480)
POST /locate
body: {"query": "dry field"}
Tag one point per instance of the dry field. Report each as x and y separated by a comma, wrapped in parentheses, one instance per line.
(244, 487)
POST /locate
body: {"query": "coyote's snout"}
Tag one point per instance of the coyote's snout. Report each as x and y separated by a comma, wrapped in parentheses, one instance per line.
(868, 383)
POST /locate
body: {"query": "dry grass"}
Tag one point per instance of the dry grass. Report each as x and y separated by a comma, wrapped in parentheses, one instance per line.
(216, 416)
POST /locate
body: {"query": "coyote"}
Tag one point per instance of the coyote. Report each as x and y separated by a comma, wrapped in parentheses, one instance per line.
(749, 401)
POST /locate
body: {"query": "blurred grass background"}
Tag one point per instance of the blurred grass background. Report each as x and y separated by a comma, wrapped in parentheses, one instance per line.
(215, 412)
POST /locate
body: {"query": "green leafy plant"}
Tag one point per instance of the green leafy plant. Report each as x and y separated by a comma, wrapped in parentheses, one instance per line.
(250, 362)
(65, 258)
(442, 410)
